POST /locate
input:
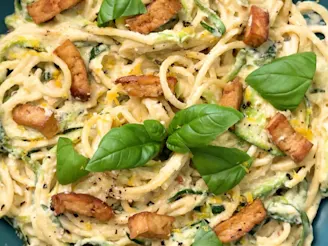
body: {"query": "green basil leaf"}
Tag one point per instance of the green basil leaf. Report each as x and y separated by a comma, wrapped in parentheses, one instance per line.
(221, 168)
(285, 81)
(70, 164)
(155, 129)
(205, 236)
(199, 125)
(218, 28)
(126, 147)
(114, 9)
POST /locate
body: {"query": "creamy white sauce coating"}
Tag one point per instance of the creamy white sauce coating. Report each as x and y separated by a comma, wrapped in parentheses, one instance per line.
(37, 76)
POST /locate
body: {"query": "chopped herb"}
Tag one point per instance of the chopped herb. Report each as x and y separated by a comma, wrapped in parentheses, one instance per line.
(182, 193)
(217, 209)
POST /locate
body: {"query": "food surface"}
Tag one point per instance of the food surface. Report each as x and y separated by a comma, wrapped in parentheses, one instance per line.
(164, 122)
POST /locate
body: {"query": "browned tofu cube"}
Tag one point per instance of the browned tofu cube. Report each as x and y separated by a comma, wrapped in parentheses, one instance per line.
(81, 204)
(144, 85)
(241, 223)
(257, 29)
(150, 225)
(287, 139)
(37, 118)
(44, 10)
(232, 94)
(158, 13)
(80, 88)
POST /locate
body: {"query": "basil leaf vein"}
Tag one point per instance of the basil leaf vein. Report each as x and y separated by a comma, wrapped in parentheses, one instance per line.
(70, 164)
(285, 81)
(198, 125)
(114, 9)
(221, 168)
(205, 236)
(129, 146)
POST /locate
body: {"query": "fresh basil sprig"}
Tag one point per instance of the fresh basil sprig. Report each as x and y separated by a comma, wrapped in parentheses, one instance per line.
(221, 168)
(218, 28)
(198, 125)
(205, 236)
(70, 164)
(114, 9)
(285, 81)
(129, 146)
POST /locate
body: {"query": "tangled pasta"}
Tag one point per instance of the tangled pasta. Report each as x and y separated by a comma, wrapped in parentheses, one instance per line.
(202, 64)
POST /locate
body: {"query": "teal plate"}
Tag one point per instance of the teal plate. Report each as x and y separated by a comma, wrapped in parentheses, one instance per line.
(9, 238)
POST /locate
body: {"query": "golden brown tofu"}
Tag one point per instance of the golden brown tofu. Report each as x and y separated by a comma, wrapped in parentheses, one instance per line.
(144, 85)
(150, 225)
(80, 88)
(232, 94)
(81, 204)
(158, 13)
(44, 10)
(37, 118)
(257, 29)
(241, 223)
(287, 139)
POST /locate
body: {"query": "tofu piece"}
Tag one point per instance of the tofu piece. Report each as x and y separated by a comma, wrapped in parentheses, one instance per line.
(80, 88)
(150, 225)
(158, 13)
(145, 85)
(37, 118)
(257, 29)
(287, 139)
(241, 223)
(232, 94)
(44, 10)
(81, 204)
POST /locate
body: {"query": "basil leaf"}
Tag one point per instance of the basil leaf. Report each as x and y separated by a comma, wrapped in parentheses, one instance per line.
(126, 147)
(114, 9)
(70, 164)
(205, 236)
(221, 168)
(218, 28)
(285, 81)
(155, 129)
(199, 125)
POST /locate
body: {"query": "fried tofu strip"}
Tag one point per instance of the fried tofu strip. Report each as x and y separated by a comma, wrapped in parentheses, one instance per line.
(81, 204)
(287, 139)
(80, 87)
(144, 85)
(257, 29)
(37, 118)
(241, 223)
(44, 10)
(232, 94)
(150, 225)
(158, 13)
